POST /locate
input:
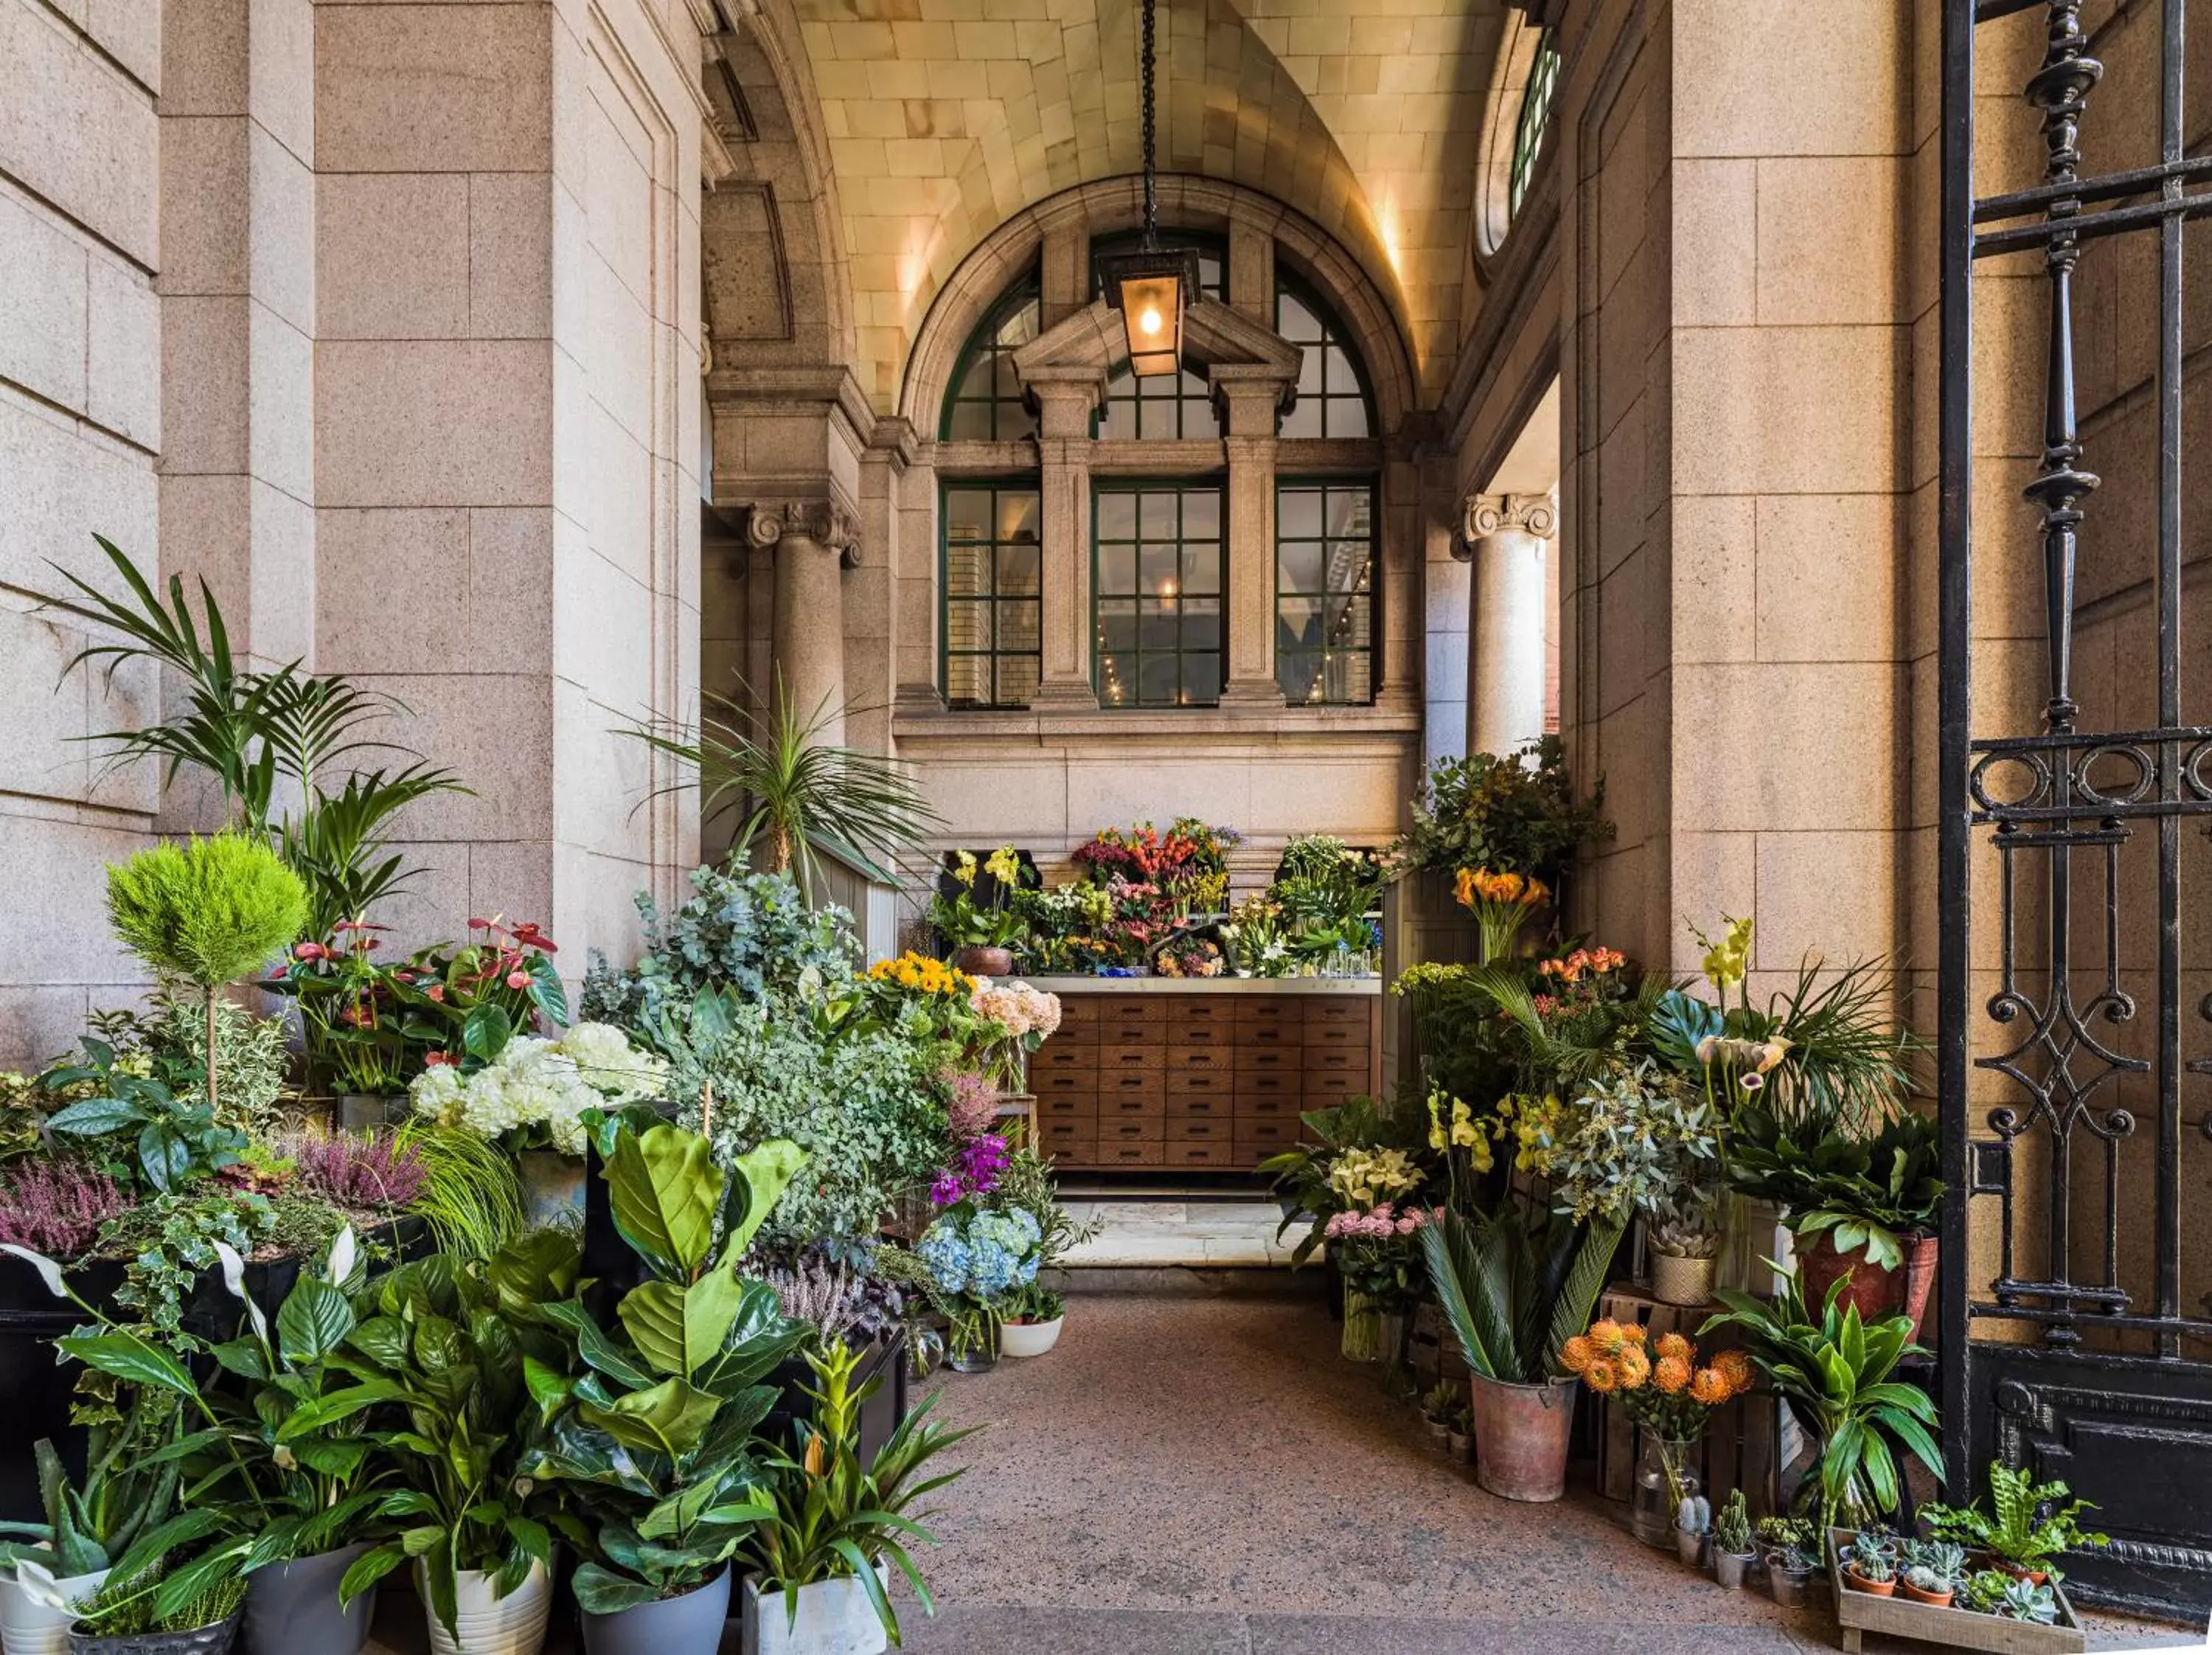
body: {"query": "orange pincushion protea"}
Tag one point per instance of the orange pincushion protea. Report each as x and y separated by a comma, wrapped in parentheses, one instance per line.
(1602, 1376)
(1710, 1386)
(1576, 1354)
(1673, 1344)
(1605, 1335)
(1634, 1367)
(1735, 1367)
(1670, 1374)
(1634, 1333)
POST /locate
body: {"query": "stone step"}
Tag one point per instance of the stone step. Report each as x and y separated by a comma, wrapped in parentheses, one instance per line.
(1195, 1281)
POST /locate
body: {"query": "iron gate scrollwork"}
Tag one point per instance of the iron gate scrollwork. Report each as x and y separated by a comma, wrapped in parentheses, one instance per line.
(2067, 1341)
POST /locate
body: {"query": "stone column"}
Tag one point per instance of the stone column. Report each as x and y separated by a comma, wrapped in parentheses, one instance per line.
(1066, 398)
(814, 542)
(1254, 396)
(1508, 536)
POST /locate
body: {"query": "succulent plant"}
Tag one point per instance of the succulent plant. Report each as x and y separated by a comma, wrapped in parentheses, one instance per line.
(1921, 1577)
(1940, 1559)
(2024, 1600)
(1872, 1566)
(1694, 1514)
(1732, 1528)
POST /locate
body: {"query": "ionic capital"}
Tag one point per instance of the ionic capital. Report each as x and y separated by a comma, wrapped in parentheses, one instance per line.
(825, 522)
(1486, 515)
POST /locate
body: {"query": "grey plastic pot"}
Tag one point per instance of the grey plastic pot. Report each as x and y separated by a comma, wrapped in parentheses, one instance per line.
(292, 1609)
(201, 1640)
(690, 1625)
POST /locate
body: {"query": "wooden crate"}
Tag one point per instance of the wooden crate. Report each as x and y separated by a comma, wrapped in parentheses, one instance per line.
(1741, 1449)
(1858, 1613)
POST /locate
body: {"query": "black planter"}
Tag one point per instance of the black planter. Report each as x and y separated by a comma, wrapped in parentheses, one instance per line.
(37, 1384)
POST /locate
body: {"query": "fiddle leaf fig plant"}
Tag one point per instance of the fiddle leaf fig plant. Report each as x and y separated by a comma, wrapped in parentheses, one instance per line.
(652, 1435)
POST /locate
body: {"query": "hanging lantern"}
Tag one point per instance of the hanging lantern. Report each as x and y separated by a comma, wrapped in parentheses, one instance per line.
(1154, 286)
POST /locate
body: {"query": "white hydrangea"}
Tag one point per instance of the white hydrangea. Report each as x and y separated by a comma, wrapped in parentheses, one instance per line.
(619, 1071)
(536, 1082)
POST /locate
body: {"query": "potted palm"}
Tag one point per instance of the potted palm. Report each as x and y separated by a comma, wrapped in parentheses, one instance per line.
(830, 1527)
(454, 1349)
(652, 1436)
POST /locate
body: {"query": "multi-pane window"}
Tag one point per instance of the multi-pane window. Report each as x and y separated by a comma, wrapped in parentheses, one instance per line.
(986, 401)
(991, 588)
(1161, 406)
(1533, 122)
(1156, 577)
(1324, 595)
(1332, 393)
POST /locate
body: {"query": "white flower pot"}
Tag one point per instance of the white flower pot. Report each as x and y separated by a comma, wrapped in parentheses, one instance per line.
(29, 1627)
(1028, 1338)
(513, 1624)
(835, 1618)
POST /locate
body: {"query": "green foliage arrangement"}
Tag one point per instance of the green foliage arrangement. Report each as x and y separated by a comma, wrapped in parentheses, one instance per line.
(1836, 1374)
(1515, 814)
(753, 934)
(262, 736)
(796, 797)
(1866, 1194)
(209, 912)
(2029, 1524)
(826, 1515)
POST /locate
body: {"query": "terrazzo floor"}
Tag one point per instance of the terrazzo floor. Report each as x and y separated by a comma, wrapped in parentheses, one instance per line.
(1200, 1472)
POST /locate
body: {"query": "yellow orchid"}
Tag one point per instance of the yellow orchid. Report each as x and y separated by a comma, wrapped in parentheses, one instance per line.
(1726, 961)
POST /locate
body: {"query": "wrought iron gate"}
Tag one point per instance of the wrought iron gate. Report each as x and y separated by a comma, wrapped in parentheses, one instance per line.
(2068, 1047)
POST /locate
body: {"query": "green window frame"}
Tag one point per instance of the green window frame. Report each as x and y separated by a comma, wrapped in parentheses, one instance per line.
(984, 403)
(1161, 407)
(1533, 122)
(1332, 399)
(990, 576)
(1159, 584)
(1325, 635)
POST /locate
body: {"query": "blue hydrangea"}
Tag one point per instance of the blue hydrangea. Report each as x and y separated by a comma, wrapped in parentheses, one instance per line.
(983, 1254)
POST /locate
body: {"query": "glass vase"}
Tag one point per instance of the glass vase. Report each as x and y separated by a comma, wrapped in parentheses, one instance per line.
(1363, 1328)
(1395, 1335)
(1663, 1481)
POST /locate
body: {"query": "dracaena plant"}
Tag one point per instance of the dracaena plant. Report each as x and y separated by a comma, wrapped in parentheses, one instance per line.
(652, 1435)
(440, 1352)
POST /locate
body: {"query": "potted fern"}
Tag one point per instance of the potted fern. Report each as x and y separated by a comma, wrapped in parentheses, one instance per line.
(2026, 1529)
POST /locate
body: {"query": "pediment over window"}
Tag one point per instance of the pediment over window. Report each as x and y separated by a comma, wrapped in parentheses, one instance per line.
(1090, 344)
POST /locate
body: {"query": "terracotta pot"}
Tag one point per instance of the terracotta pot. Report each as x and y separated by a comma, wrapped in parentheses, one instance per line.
(1933, 1599)
(1920, 1255)
(986, 962)
(1678, 1279)
(1858, 1582)
(1876, 1291)
(2033, 1577)
(1521, 1437)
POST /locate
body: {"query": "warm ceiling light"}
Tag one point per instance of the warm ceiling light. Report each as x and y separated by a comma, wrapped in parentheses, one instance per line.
(1154, 285)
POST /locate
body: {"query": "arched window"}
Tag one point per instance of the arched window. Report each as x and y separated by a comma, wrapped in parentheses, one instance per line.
(1332, 384)
(985, 404)
(1516, 122)
(1533, 121)
(1159, 406)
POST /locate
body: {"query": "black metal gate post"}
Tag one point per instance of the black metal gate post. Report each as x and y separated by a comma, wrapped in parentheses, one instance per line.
(2077, 1372)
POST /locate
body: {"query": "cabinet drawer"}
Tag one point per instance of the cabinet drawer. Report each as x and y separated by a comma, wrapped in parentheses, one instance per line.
(1132, 1106)
(1258, 1014)
(1076, 1026)
(1335, 1037)
(1148, 1153)
(1057, 1057)
(1205, 1129)
(1325, 1010)
(1083, 1106)
(1200, 1152)
(1114, 1087)
(1200, 1083)
(1125, 1058)
(1335, 1062)
(1125, 1017)
(1083, 1086)
(1113, 1133)
(1327, 1091)
(1287, 1081)
(1276, 1057)
(1200, 1060)
(1284, 1105)
(1257, 1140)
(1199, 1108)
(1218, 1035)
(1068, 1140)
(1200, 1011)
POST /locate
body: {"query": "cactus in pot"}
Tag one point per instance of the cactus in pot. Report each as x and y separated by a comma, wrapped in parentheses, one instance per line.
(1732, 1547)
(1693, 1521)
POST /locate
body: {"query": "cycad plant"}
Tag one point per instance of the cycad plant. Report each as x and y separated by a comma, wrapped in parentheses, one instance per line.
(206, 912)
(1515, 1284)
(268, 739)
(796, 797)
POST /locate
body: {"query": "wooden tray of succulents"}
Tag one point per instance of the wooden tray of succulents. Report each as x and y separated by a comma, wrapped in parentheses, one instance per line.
(1896, 1615)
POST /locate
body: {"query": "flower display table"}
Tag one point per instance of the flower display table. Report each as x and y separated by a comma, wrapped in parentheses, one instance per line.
(1151, 1074)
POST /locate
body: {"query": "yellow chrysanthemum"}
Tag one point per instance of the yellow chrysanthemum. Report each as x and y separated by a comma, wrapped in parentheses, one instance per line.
(1605, 1335)
(1710, 1386)
(1576, 1354)
(1670, 1374)
(1634, 1367)
(1673, 1344)
(1602, 1376)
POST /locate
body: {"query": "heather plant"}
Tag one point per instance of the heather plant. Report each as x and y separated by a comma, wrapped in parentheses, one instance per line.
(57, 1206)
(972, 1104)
(364, 1173)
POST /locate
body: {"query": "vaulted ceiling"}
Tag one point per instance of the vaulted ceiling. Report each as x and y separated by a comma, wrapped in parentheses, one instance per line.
(943, 118)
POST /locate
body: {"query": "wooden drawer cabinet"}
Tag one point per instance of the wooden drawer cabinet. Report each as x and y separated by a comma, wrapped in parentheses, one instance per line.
(1127, 1018)
(1199, 1108)
(1216, 1152)
(1131, 1059)
(1056, 1057)
(1075, 1143)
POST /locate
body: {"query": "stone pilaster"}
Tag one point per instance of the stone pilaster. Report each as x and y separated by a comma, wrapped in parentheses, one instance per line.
(1067, 398)
(1254, 396)
(814, 542)
(1508, 537)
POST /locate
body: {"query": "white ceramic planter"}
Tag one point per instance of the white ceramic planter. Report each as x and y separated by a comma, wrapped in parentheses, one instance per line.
(29, 1627)
(513, 1624)
(1028, 1338)
(835, 1618)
